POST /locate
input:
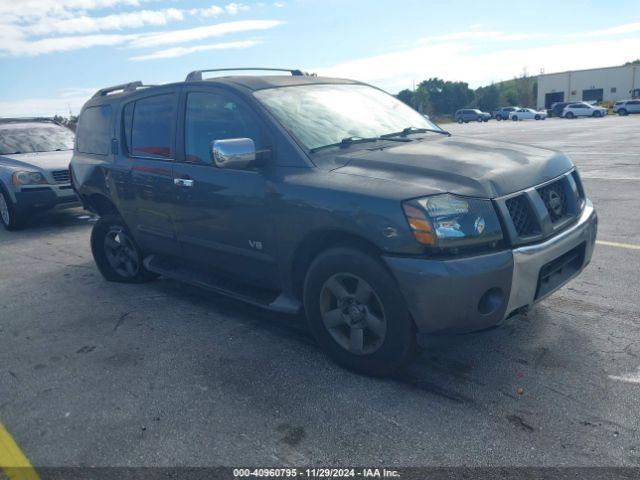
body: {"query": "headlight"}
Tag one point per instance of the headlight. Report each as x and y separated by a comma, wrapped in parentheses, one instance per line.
(28, 178)
(448, 222)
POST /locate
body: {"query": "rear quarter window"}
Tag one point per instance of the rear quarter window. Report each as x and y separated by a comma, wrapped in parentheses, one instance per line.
(93, 133)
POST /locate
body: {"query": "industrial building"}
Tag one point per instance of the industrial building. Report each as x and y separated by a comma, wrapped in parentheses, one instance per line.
(607, 84)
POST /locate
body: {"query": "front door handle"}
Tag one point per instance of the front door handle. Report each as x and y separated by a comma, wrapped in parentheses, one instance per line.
(183, 182)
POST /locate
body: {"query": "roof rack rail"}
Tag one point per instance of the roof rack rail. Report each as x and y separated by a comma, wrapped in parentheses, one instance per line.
(125, 87)
(196, 75)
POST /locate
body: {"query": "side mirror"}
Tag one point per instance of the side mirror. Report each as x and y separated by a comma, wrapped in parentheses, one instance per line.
(235, 153)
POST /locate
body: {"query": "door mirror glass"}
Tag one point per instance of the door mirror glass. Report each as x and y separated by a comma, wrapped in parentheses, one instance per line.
(235, 153)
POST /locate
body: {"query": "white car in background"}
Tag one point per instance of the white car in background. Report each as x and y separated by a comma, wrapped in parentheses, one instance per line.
(527, 114)
(583, 109)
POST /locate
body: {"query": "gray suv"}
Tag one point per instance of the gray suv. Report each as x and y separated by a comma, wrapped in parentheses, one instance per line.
(34, 168)
(327, 196)
(467, 115)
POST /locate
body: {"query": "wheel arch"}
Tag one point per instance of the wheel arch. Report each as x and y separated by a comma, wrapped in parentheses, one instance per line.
(314, 243)
(100, 204)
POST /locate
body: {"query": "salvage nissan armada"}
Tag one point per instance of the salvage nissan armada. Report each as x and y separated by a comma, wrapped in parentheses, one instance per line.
(301, 193)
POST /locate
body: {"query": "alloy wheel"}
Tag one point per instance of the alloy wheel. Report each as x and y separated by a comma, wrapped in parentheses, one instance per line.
(121, 252)
(353, 313)
(4, 210)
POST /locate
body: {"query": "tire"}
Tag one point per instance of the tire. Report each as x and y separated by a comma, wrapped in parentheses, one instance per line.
(498, 117)
(570, 115)
(479, 120)
(118, 259)
(537, 117)
(459, 120)
(514, 118)
(9, 216)
(623, 112)
(597, 114)
(375, 336)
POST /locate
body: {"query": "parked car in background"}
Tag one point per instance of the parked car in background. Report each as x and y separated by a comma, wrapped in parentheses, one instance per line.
(34, 168)
(527, 114)
(583, 109)
(557, 108)
(354, 209)
(503, 113)
(625, 107)
(466, 115)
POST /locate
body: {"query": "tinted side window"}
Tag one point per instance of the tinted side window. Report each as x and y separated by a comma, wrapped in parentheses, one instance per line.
(93, 130)
(217, 116)
(151, 126)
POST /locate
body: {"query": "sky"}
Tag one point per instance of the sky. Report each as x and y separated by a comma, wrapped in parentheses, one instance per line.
(54, 54)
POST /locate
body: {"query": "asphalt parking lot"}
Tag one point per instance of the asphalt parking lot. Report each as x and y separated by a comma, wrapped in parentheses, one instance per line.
(101, 374)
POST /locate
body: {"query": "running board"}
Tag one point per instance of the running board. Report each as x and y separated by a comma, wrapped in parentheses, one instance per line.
(222, 285)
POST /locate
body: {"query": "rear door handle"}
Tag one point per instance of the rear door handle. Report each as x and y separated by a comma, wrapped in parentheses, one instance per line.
(183, 182)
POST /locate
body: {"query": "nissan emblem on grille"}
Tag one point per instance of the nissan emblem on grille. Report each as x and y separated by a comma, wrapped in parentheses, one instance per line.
(553, 202)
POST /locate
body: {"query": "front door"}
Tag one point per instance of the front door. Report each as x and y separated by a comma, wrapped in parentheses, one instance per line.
(223, 215)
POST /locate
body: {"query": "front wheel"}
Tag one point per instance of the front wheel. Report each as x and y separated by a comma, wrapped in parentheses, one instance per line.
(514, 118)
(9, 217)
(116, 253)
(459, 120)
(622, 112)
(357, 312)
(597, 114)
(537, 117)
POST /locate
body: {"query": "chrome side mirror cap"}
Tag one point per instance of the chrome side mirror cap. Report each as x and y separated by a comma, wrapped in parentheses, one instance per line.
(235, 153)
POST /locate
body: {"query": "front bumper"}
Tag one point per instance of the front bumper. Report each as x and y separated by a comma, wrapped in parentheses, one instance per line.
(34, 198)
(472, 293)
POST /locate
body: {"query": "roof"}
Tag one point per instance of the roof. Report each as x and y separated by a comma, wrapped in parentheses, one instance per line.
(587, 70)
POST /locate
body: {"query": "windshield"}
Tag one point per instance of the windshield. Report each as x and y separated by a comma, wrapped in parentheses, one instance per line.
(34, 137)
(320, 115)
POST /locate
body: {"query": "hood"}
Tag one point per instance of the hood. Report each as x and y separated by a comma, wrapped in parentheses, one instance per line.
(465, 166)
(41, 160)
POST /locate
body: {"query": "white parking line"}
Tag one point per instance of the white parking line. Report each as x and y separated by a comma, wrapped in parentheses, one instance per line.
(628, 377)
(630, 246)
(633, 179)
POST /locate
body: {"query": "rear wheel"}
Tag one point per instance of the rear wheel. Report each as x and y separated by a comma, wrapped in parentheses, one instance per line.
(116, 253)
(569, 115)
(357, 312)
(514, 118)
(9, 217)
(479, 119)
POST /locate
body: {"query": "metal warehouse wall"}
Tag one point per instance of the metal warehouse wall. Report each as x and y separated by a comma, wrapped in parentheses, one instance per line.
(616, 84)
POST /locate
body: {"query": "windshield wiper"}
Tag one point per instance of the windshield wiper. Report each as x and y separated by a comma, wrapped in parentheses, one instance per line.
(346, 142)
(409, 130)
(355, 139)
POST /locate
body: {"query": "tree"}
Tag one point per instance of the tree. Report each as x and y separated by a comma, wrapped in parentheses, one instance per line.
(634, 62)
(406, 96)
(487, 98)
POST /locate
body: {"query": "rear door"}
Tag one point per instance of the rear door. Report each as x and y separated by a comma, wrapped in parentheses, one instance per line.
(144, 179)
(633, 106)
(223, 215)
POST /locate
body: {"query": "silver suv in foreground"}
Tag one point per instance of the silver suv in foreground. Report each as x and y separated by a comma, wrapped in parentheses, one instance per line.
(34, 168)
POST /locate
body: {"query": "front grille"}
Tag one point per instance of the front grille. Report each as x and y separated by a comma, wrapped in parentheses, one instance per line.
(555, 199)
(522, 216)
(61, 176)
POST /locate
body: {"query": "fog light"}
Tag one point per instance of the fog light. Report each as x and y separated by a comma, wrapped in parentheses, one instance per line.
(491, 301)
